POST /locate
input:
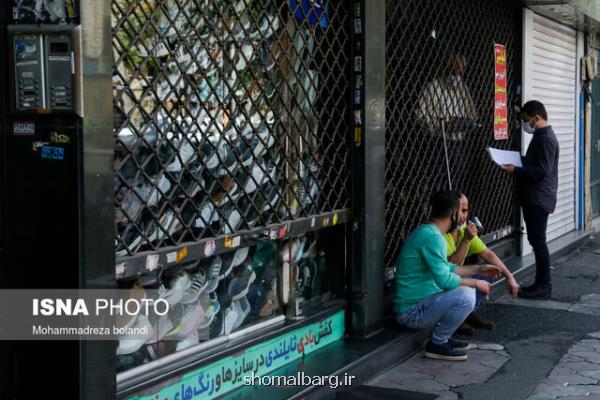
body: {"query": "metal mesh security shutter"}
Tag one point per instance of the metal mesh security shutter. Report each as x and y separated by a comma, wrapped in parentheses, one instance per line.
(422, 38)
(553, 71)
(229, 116)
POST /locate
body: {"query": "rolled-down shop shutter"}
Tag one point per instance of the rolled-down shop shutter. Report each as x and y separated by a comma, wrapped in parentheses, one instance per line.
(552, 72)
(422, 36)
(231, 156)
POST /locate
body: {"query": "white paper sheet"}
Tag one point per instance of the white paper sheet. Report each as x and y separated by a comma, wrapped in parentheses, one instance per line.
(502, 157)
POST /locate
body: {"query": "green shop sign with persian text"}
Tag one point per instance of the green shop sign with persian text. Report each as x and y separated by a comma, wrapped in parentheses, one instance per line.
(222, 376)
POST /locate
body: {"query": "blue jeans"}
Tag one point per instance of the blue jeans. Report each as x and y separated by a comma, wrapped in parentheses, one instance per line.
(480, 297)
(443, 311)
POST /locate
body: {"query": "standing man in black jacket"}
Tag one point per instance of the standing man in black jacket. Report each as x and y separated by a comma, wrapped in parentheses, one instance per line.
(537, 183)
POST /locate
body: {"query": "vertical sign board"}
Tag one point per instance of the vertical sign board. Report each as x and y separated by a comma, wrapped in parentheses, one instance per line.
(500, 97)
(239, 369)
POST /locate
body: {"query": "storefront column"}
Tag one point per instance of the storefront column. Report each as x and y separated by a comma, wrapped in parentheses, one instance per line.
(367, 294)
(97, 256)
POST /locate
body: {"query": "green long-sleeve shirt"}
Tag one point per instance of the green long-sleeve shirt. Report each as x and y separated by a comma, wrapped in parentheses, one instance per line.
(423, 269)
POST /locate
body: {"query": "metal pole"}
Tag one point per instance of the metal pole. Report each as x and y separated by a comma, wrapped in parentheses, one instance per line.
(446, 153)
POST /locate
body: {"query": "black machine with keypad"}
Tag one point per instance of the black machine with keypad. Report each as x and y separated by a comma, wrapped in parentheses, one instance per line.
(46, 72)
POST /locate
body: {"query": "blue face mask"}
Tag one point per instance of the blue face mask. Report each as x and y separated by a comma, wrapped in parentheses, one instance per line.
(527, 127)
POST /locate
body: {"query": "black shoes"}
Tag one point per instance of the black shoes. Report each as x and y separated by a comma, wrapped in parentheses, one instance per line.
(535, 292)
(444, 352)
(476, 322)
(459, 345)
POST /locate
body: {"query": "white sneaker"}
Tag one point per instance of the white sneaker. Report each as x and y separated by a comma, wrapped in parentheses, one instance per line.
(131, 344)
(178, 286)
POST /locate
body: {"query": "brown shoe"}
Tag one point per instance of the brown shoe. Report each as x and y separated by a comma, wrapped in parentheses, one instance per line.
(479, 323)
(465, 329)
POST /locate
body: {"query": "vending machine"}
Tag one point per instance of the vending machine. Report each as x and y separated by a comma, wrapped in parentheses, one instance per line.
(42, 182)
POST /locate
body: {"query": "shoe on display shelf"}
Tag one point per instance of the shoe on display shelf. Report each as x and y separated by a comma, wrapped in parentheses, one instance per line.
(174, 291)
(207, 216)
(129, 205)
(128, 321)
(272, 303)
(257, 177)
(214, 155)
(161, 325)
(190, 341)
(240, 285)
(168, 225)
(133, 236)
(217, 326)
(235, 259)
(273, 197)
(131, 343)
(235, 315)
(199, 284)
(156, 48)
(243, 309)
(257, 297)
(233, 220)
(248, 210)
(175, 314)
(212, 307)
(193, 314)
(186, 154)
(190, 184)
(213, 267)
(246, 152)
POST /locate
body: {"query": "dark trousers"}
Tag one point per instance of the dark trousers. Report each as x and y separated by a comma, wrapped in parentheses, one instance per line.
(536, 221)
(439, 170)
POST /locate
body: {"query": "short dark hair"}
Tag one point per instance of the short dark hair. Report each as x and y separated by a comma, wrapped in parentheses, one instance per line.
(444, 203)
(533, 108)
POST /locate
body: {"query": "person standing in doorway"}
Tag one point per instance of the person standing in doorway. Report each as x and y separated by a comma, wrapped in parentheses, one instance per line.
(446, 107)
(537, 184)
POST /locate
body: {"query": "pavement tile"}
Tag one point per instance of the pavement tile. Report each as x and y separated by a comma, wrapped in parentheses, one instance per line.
(435, 376)
(590, 374)
(590, 397)
(594, 335)
(447, 395)
(573, 379)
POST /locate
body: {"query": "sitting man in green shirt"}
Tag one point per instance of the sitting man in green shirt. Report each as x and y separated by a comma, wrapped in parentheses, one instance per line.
(464, 242)
(431, 292)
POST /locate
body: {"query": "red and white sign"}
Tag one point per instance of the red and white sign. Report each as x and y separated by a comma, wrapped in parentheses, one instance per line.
(500, 97)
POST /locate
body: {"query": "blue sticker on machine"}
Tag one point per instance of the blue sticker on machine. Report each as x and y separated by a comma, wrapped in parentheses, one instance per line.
(53, 153)
(313, 11)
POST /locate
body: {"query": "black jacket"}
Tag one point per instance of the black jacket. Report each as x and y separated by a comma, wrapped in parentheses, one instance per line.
(537, 180)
